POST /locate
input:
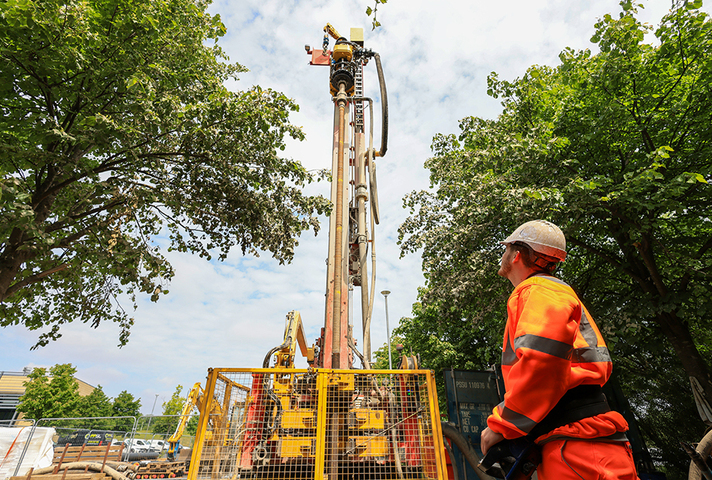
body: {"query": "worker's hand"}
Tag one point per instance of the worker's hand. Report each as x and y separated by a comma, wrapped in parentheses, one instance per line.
(489, 438)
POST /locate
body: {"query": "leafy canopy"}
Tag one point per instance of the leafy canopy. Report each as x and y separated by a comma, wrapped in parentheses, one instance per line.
(51, 396)
(171, 413)
(117, 134)
(616, 149)
(55, 394)
(96, 405)
(125, 405)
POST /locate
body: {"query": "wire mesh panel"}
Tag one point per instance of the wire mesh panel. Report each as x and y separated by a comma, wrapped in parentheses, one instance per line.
(319, 424)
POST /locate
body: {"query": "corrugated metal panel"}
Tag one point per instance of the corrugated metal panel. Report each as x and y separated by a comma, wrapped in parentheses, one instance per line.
(9, 400)
(12, 383)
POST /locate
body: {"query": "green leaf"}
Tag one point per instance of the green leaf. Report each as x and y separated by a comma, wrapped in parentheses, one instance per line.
(140, 131)
(695, 178)
(131, 81)
(588, 145)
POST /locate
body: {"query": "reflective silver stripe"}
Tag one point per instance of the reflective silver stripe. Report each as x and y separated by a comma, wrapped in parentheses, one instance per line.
(508, 355)
(616, 437)
(522, 422)
(544, 345)
(554, 279)
(586, 330)
(556, 349)
(591, 354)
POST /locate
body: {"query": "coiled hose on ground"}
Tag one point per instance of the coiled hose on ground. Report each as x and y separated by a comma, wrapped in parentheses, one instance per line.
(451, 432)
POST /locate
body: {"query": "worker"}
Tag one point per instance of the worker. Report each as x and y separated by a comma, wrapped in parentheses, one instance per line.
(554, 362)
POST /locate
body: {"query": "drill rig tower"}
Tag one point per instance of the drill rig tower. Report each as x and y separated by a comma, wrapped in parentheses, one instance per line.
(330, 421)
(354, 176)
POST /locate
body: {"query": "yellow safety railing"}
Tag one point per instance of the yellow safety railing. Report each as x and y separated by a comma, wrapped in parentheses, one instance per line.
(320, 424)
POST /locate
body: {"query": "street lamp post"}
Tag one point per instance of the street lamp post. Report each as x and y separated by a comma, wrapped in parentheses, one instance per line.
(385, 294)
(152, 408)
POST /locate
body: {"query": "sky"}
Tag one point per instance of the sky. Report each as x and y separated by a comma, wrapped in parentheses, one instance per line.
(436, 59)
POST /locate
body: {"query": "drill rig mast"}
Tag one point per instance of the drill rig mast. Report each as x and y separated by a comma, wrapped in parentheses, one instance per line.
(354, 176)
(330, 421)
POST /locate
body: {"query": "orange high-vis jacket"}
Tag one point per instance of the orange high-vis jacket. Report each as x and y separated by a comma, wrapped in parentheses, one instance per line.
(551, 345)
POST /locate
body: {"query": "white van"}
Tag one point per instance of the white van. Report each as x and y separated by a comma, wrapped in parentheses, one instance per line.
(157, 445)
(136, 445)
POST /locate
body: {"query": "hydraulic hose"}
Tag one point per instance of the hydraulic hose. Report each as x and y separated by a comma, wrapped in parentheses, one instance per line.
(287, 342)
(277, 417)
(265, 363)
(450, 431)
(364, 362)
(384, 106)
(455, 472)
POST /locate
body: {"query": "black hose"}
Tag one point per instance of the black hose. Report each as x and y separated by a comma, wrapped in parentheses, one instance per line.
(276, 418)
(286, 343)
(450, 431)
(455, 473)
(384, 106)
(265, 363)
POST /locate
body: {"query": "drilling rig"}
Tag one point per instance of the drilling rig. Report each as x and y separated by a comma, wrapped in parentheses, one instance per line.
(332, 420)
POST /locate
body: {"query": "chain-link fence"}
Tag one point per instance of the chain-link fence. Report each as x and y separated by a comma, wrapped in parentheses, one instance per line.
(26, 438)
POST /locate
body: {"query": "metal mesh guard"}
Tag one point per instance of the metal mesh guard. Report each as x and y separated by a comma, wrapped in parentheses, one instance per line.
(319, 424)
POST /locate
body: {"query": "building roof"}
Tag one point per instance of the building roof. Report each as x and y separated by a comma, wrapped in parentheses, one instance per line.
(12, 382)
(12, 387)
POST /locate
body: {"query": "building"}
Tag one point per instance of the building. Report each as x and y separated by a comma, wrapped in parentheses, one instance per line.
(12, 387)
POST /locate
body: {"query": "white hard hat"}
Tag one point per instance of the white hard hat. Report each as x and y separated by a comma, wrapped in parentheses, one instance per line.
(542, 236)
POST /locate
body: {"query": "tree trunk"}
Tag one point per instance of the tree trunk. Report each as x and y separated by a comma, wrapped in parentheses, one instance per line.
(678, 333)
(16, 250)
(11, 261)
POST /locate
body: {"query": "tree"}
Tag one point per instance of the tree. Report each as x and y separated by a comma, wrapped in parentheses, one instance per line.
(191, 428)
(380, 361)
(614, 148)
(171, 409)
(56, 396)
(125, 405)
(95, 405)
(117, 132)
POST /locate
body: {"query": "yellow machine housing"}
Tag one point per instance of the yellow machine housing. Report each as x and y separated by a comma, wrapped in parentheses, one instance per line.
(286, 423)
(342, 52)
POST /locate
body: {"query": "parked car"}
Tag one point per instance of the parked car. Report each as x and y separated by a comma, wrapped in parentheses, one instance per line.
(157, 445)
(138, 449)
(136, 445)
(86, 437)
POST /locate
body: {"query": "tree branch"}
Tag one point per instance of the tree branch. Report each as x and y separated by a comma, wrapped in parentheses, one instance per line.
(34, 279)
(644, 248)
(685, 280)
(59, 225)
(608, 258)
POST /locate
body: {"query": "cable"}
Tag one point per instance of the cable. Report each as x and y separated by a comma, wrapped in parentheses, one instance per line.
(384, 106)
(567, 463)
